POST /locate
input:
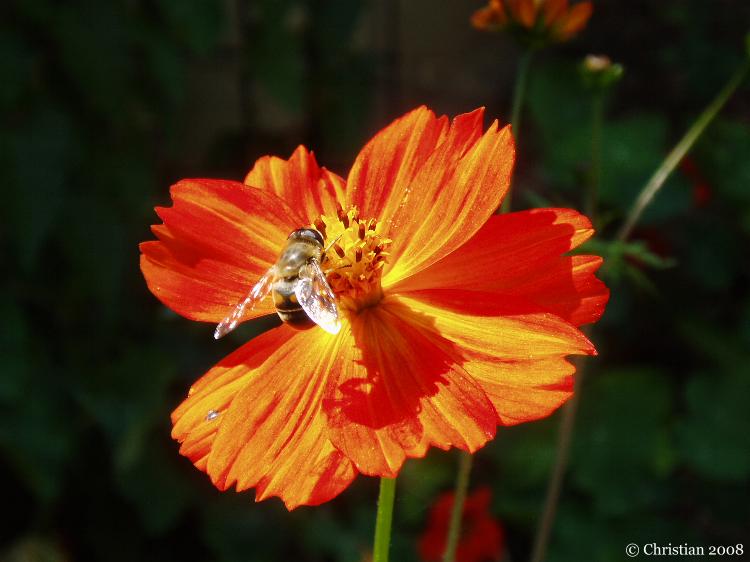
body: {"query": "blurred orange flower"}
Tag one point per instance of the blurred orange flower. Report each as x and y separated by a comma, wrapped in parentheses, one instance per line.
(453, 319)
(482, 536)
(535, 21)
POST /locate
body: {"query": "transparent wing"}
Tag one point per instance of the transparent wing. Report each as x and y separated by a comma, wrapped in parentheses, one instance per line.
(316, 297)
(256, 294)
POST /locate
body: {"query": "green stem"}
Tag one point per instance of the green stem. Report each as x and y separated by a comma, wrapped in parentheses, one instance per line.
(595, 178)
(565, 434)
(519, 92)
(661, 174)
(462, 485)
(384, 520)
(554, 487)
(567, 424)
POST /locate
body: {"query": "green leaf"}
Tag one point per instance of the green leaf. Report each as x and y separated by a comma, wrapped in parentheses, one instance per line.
(713, 437)
(632, 147)
(722, 156)
(234, 528)
(16, 68)
(622, 451)
(156, 487)
(277, 55)
(627, 260)
(196, 23)
(581, 534)
(40, 157)
(94, 44)
(128, 399)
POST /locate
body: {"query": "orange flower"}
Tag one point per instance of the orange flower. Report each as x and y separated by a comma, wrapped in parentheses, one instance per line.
(482, 537)
(535, 21)
(453, 320)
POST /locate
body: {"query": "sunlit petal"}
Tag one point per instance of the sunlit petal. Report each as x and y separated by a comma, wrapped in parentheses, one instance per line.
(397, 390)
(217, 240)
(268, 431)
(299, 182)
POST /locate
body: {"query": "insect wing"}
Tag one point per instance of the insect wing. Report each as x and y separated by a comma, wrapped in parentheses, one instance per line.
(256, 294)
(316, 297)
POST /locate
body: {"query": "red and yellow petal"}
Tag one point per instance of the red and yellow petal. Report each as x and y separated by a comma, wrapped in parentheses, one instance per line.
(517, 358)
(524, 11)
(575, 20)
(431, 184)
(491, 17)
(568, 289)
(217, 240)
(300, 182)
(397, 390)
(518, 256)
(269, 432)
(388, 163)
(554, 9)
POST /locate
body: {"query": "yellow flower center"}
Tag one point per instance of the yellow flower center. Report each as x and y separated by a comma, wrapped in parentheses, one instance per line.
(354, 256)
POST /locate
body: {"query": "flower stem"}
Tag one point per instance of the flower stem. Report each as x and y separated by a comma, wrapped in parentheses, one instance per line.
(661, 174)
(384, 520)
(644, 199)
(519, 92)
(459, 497)
(565, 433)
(595, 178)
(564, 439)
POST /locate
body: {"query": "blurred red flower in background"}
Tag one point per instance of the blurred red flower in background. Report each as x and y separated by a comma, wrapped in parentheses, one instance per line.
(536, 20)
(482, 537)
(702, 192)
(454, 320)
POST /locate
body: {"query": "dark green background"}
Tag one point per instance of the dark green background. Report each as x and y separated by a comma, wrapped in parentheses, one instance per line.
(104, 104)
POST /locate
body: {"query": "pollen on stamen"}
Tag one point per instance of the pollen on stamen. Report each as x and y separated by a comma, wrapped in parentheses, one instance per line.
(320, 226)
(354, 267)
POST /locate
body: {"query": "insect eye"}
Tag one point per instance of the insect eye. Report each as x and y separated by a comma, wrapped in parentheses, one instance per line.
(308, 233)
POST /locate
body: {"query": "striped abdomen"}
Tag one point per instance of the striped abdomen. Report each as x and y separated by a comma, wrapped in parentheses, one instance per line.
(287, 306)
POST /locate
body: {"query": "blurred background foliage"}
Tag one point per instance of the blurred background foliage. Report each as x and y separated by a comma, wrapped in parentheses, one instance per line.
(104, 104)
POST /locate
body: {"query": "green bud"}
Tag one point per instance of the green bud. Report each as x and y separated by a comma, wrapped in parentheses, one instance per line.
(599, 72)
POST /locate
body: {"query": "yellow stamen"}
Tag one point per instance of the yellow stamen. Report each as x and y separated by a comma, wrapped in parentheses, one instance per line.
(355, 265)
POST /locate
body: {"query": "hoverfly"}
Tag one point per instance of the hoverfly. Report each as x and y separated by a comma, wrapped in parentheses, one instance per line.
(301, 293)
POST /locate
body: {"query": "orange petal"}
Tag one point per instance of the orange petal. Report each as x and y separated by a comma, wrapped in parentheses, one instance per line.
(553, 9)
(575, 20)
(436, 185)
(300, 182)
(491, 17)
(518, 256)
(397, 390)
(524, 390)
(388, 163)
(218, 238)
(269, 431)
(524, 11)
(568, 289)
(518, 359)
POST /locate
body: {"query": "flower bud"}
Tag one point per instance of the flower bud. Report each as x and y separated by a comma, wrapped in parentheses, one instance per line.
(599, 72)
